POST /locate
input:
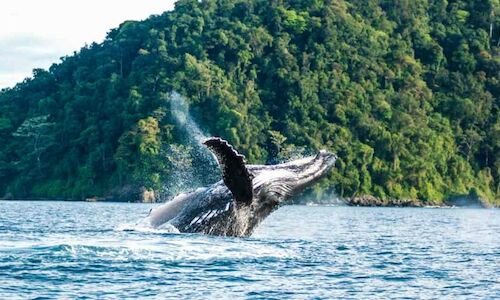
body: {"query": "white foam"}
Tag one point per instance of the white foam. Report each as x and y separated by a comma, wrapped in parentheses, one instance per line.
(147, 228)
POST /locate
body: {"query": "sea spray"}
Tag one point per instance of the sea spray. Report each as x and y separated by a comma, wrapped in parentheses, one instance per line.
(193, 164)
(179, 110)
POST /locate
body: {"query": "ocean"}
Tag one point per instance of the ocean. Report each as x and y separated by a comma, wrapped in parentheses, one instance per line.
(100, 250)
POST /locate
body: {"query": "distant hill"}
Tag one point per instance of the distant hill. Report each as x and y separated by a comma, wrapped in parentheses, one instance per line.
(407, 92)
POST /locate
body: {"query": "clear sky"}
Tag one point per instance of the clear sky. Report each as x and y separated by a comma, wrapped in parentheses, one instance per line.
(36, 33)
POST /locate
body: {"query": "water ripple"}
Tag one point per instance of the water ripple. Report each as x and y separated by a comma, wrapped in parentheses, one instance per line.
(96, 251)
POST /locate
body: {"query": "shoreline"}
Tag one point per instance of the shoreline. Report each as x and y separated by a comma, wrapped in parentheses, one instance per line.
(457, 201)
(360, 201)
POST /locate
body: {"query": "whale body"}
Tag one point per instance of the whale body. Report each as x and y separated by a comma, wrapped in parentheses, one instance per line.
(245, 196)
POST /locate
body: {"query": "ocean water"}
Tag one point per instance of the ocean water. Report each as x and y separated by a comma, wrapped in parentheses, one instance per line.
(95, 250)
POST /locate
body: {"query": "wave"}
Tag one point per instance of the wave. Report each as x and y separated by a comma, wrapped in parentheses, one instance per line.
(145, 227)
(133, 243)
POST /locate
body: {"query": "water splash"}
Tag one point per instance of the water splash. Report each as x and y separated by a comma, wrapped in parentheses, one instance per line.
(145, 227)
(179, 110)
(193, 164)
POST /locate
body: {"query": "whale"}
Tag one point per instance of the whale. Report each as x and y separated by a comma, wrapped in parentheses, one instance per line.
(246, 195)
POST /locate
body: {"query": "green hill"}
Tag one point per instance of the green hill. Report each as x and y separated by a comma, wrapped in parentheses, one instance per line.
(407, 92)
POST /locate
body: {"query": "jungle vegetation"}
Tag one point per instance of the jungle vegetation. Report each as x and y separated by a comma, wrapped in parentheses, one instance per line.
(407, 92)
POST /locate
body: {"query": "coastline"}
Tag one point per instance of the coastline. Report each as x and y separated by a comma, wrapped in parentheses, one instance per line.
(361, 201)
(456, 201)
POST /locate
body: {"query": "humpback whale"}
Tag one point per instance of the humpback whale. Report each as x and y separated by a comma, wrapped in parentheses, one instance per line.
(244, 197)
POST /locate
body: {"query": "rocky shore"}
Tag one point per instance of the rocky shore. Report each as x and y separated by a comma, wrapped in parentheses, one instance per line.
(128, 193)
(458, 201)
(369, 200)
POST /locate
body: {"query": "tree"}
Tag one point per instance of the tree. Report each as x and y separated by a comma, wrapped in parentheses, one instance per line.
(37, 131)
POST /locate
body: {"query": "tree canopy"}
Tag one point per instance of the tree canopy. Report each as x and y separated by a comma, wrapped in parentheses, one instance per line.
(407, 92)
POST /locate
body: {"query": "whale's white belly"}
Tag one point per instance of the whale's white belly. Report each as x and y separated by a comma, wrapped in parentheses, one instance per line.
(164, 213)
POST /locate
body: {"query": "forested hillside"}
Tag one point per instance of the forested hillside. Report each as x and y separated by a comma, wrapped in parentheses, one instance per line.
(407, 92)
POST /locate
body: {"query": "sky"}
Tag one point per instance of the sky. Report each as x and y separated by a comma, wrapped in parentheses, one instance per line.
(36, 34)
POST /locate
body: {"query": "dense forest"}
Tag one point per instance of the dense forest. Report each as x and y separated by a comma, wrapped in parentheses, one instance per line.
(406, 92)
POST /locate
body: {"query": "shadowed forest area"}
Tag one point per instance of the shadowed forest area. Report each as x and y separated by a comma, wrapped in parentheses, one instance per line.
(406, 92)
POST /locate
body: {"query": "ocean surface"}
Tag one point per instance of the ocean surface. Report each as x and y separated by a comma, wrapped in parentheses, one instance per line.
(96, 250)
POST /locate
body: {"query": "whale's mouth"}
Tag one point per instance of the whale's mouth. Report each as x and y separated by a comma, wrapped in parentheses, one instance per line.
(277, 183)
(308, 172)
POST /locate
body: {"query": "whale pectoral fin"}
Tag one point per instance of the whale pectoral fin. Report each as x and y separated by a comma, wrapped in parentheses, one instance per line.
(234, 172)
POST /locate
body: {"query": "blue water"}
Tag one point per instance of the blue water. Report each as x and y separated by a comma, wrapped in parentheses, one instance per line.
(94, 250)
